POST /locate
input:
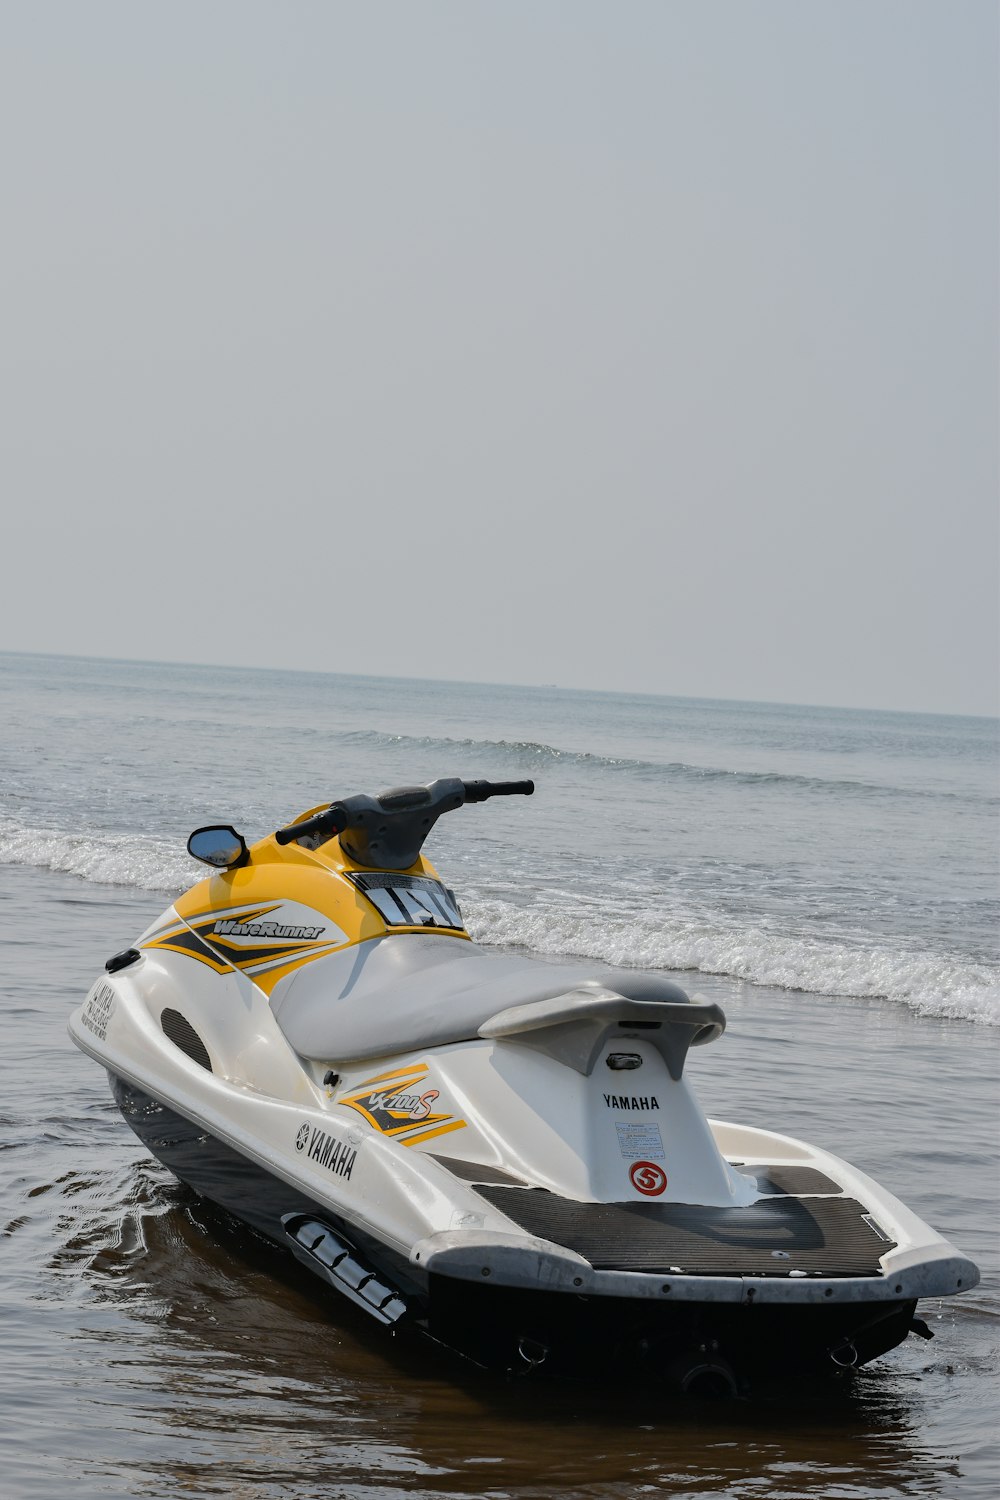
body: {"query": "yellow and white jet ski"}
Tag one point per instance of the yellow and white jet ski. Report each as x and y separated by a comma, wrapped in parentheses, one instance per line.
(501, 1151)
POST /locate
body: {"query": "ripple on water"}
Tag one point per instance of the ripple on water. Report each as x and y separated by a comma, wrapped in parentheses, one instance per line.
(150, 1350)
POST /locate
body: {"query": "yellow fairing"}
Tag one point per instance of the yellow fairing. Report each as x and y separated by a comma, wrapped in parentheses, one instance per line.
(287, 907)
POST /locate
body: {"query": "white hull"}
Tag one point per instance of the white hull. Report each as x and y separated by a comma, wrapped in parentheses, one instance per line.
(437, 1207)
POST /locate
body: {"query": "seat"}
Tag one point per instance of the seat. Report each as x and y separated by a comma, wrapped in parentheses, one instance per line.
(411, 991)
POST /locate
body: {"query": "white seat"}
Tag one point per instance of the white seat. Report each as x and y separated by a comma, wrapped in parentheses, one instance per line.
(412, 991)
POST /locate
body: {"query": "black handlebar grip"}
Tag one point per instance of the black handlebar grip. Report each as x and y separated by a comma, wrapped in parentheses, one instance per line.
(478, 791)
(330, 821)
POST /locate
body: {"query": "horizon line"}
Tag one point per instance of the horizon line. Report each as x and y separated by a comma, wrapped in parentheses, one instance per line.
(483, 682)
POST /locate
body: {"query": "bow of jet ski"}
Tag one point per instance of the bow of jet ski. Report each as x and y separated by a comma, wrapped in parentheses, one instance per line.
(501, 1151)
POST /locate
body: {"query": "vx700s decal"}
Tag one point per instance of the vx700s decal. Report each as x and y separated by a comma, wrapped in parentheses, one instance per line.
(400, 1104)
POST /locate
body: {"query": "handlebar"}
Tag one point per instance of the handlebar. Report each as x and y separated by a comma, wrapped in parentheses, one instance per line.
(389, 829)
(478, 791)
(327, 822)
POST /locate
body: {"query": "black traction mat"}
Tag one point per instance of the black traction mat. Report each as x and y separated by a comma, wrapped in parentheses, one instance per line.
(474, 1171)
(824, 1236)
(769, 1179)
(790, 1179)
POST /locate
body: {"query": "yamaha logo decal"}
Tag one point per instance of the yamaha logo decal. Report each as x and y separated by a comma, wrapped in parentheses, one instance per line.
(326, 1150)
(648, 1178)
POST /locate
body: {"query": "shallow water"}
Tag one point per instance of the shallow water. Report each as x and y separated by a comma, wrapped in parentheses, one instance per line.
(151, 1349)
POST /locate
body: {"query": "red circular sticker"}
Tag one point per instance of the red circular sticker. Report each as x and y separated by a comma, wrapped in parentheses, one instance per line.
(648, 1178)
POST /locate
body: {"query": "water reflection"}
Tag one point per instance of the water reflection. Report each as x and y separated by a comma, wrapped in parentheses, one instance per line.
(149, 1351)
(249, 1381)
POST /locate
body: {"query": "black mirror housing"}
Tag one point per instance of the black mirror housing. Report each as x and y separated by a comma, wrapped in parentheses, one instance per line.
(219, 845)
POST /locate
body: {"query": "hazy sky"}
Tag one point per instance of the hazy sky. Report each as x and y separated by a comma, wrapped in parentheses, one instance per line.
(620, 344)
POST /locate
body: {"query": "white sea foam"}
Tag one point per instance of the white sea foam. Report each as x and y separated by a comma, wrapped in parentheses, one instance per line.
(933, 985)
(930, 984)
(146, 864)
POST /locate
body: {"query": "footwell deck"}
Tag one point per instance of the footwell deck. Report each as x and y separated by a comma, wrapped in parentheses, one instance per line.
(822, 1236)
(793, 1180)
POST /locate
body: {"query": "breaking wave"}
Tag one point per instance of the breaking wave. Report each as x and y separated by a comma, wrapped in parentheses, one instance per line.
(144, 863)
(933, 985)
(535, 756)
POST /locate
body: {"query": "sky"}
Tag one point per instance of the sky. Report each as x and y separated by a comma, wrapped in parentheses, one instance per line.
(641, 344)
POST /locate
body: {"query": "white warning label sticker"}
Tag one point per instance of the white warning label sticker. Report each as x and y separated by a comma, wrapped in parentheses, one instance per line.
(640, 1138)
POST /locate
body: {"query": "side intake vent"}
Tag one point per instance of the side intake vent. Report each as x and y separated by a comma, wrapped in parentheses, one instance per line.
(178, 1029)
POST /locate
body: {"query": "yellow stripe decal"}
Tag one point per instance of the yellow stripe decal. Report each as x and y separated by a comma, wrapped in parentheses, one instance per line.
(416, 1069)
(176, 944)
(427, 1135)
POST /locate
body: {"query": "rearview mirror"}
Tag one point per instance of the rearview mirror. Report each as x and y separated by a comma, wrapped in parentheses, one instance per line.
(220, 846)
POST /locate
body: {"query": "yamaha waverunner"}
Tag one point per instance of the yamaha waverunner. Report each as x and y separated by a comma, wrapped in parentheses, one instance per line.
(501, 1151)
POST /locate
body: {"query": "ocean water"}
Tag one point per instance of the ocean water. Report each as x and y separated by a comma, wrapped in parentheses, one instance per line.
(822, 850)
(829, 876)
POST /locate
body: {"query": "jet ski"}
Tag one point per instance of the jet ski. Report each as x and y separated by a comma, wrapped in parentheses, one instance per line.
(500, 1151)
